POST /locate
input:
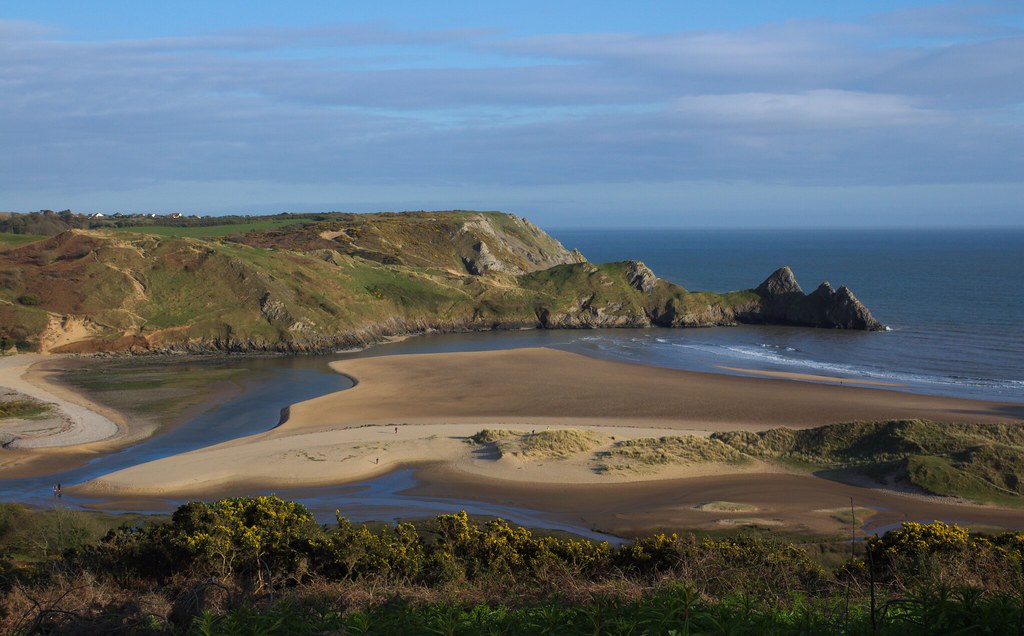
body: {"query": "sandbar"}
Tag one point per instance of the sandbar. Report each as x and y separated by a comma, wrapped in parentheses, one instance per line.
(419, 410)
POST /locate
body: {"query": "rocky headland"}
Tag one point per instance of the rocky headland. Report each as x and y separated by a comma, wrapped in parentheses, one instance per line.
(324, 282)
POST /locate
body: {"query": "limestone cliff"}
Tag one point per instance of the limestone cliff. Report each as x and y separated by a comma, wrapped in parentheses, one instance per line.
(324, 282)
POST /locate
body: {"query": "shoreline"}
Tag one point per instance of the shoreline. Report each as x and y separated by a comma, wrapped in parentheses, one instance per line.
(74, 421)
(811, 377)
(416, 411)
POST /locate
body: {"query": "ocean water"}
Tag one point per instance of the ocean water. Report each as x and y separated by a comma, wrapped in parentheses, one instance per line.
(953, 299)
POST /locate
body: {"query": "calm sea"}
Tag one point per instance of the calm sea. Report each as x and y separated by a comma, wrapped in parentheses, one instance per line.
(954, 300)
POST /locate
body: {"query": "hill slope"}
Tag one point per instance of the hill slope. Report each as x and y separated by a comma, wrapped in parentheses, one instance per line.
(339, 280)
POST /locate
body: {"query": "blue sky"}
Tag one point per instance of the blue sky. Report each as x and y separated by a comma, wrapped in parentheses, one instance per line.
(682, 114)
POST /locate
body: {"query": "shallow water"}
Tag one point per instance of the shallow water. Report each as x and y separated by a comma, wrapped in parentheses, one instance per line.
(267, 386)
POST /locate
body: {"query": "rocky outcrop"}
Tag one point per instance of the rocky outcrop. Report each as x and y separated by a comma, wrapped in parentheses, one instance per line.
(640, 277)
(784, 302)
(508, 244)
(586, 314)
(482, 261)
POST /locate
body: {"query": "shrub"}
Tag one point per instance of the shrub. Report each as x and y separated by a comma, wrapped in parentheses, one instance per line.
(247, 534)
(30, 300)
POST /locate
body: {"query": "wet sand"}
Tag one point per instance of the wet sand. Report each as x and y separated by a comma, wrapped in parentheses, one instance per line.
(411, 410)
(796, 503)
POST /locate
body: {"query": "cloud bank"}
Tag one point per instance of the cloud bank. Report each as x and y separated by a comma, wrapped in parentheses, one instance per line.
(323, 116)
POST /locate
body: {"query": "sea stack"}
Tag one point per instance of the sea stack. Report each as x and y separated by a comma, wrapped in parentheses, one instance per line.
(784, 302)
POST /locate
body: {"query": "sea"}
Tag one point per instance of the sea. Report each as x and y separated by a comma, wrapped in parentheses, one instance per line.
(953, 300)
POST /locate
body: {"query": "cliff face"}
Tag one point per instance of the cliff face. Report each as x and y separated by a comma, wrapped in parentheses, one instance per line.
(348, 280)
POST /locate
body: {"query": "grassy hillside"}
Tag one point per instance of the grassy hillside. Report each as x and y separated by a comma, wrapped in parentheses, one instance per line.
(14, 240)
(294, 283)
(210, 231)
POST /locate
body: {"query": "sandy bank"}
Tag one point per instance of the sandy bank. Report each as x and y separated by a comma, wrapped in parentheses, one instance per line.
(73, 421)
(411, 409)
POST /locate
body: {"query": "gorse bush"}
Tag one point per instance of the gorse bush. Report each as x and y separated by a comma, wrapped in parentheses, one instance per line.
(263, 565)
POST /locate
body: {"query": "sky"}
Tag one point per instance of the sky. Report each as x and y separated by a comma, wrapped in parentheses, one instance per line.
(573, 114)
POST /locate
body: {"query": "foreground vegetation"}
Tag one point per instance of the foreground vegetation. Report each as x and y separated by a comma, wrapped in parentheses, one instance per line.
(263, 566)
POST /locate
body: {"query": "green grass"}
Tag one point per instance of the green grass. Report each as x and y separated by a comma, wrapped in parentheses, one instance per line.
(211, 231)
(674, 609)
(22, 408)
(34, 535)
(852, 516)
(15, 240)
(945, 476)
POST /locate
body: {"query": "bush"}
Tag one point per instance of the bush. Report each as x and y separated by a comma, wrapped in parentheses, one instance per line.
(30, 300)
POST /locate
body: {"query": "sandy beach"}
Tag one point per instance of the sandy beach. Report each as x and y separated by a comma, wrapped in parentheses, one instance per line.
(74, 429)
(420, 410)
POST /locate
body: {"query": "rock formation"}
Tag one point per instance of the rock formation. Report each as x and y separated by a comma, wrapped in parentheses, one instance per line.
(784, 302)
(640, 277)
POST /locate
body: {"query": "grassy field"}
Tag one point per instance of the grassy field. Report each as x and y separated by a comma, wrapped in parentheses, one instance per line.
(211, 231)
(15, 240)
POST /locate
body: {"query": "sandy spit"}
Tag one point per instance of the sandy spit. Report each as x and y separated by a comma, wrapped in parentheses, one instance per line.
(74, 420)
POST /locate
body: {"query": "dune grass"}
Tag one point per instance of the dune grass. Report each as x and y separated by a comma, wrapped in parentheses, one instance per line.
(651, 452)
(980, 462)
(492, 435)
(547, 444)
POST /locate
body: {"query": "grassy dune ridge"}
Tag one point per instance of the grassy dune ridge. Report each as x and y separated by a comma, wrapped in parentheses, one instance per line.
(978, 462)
